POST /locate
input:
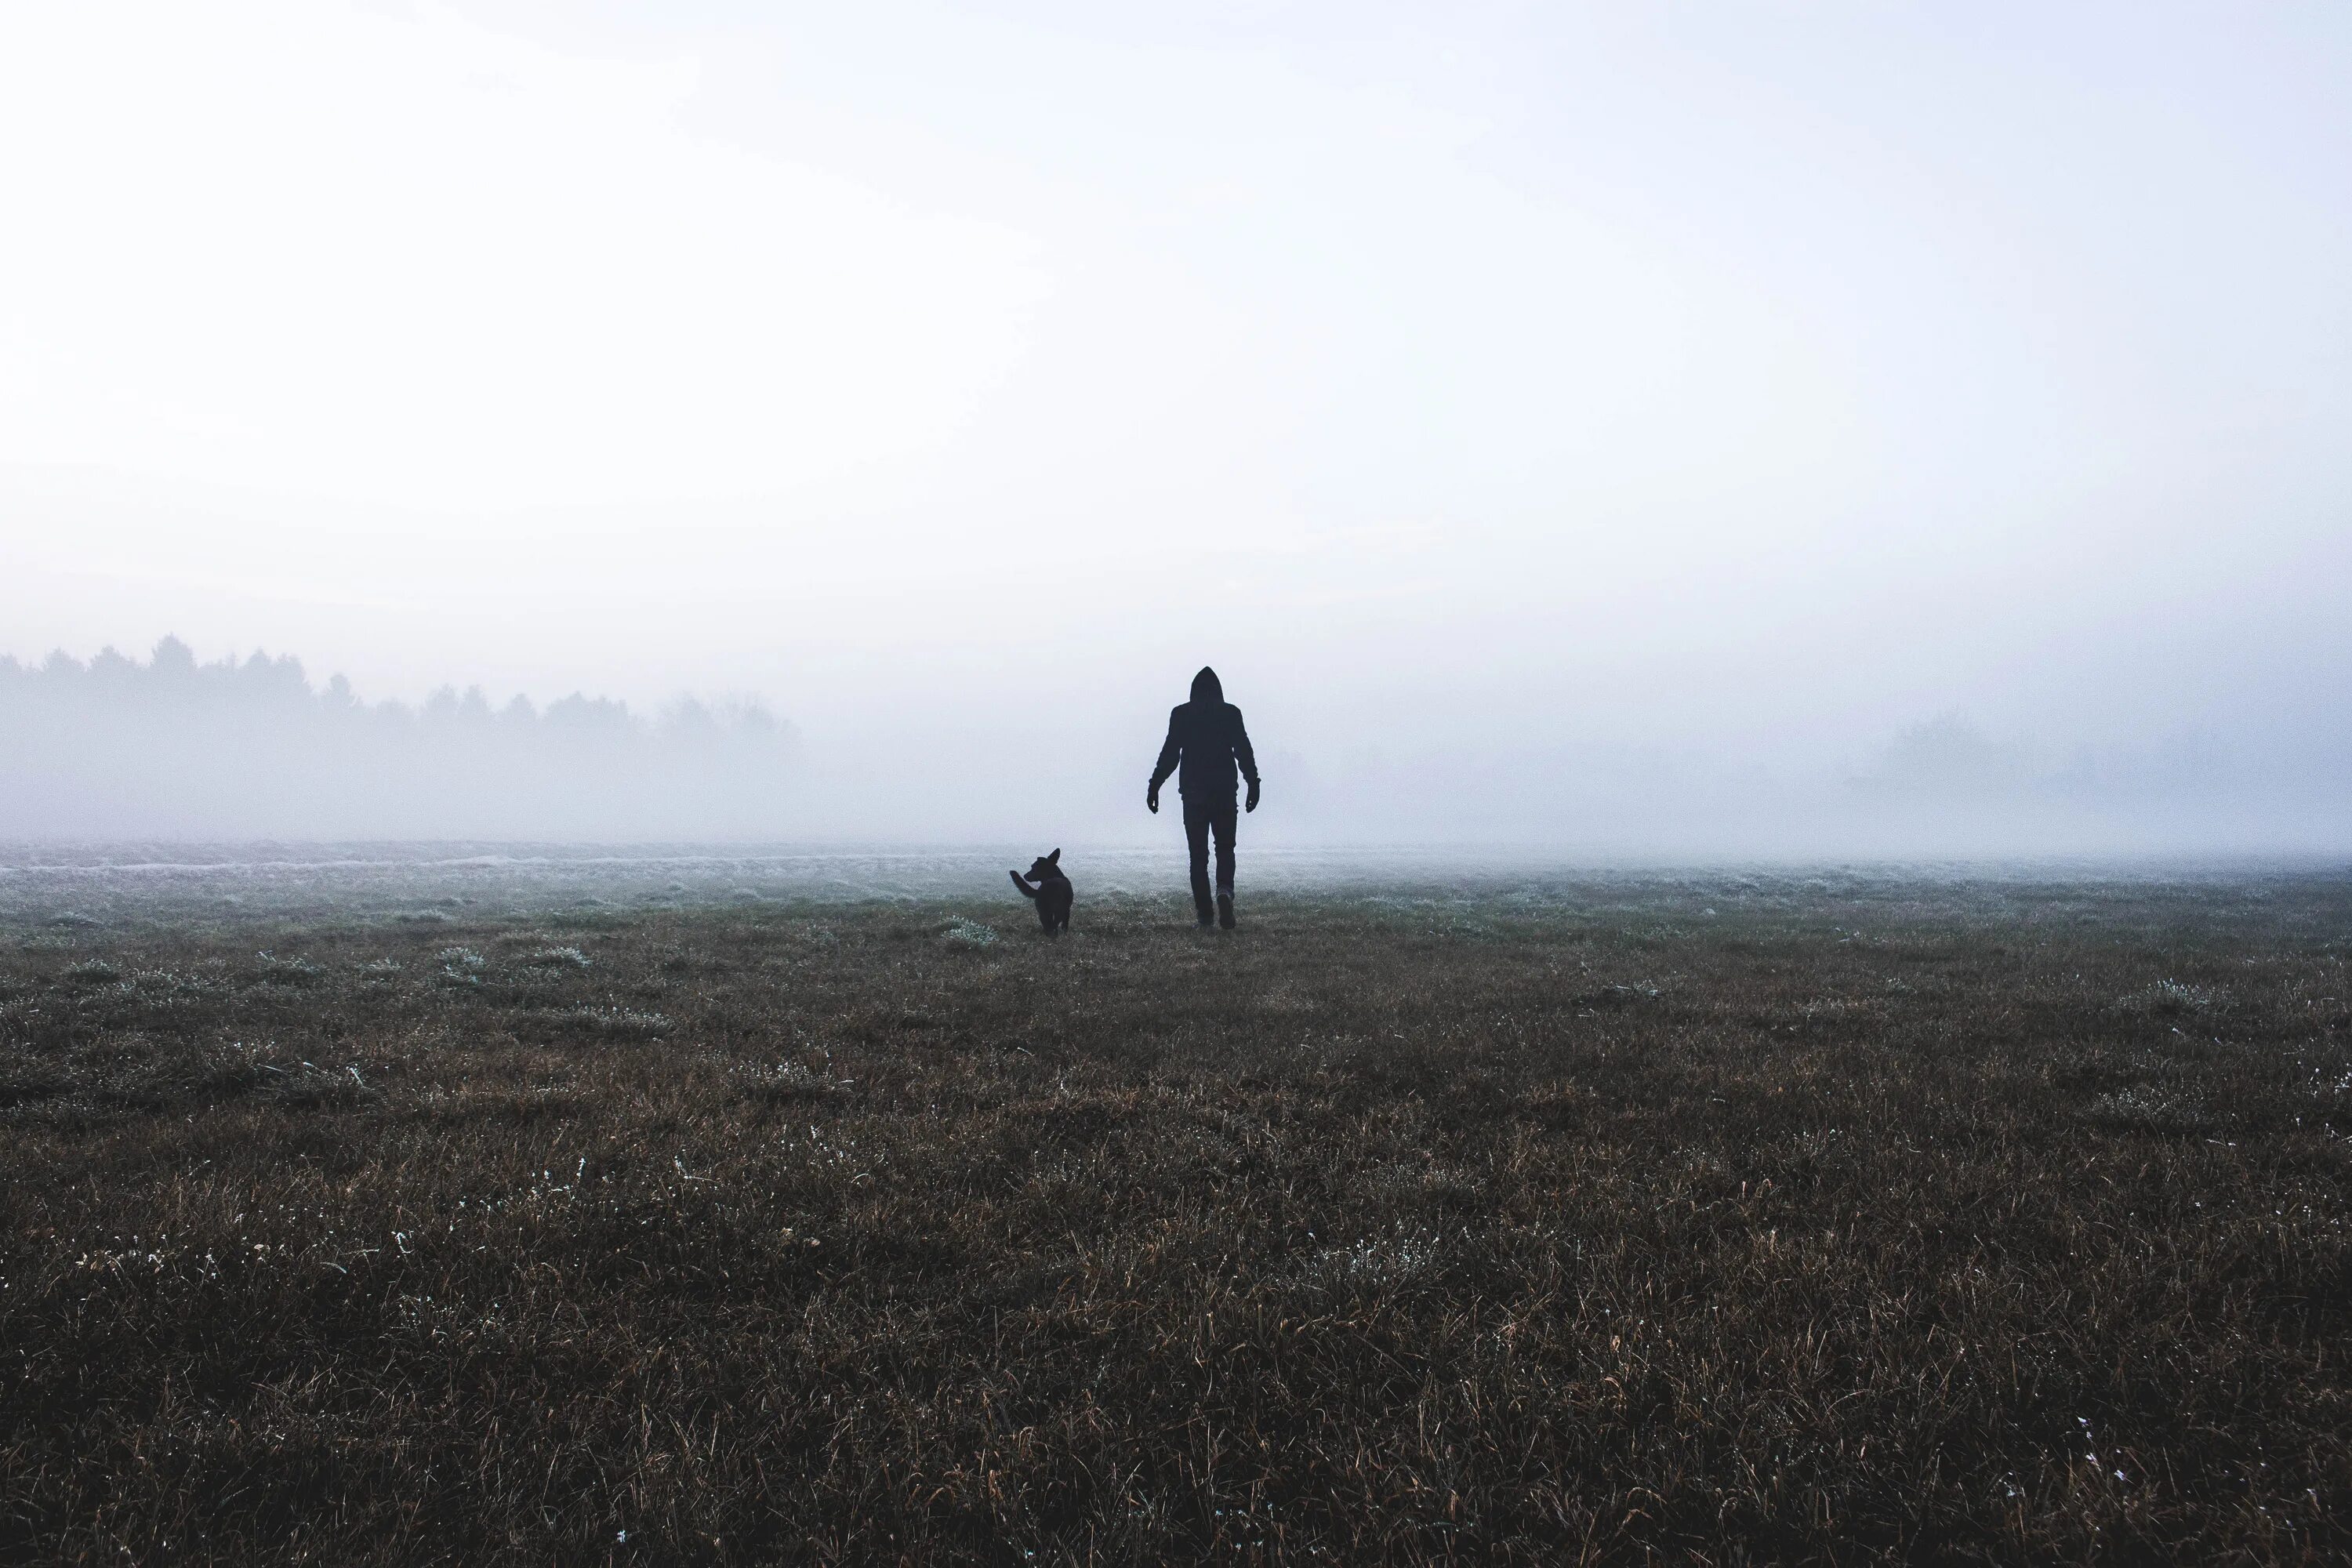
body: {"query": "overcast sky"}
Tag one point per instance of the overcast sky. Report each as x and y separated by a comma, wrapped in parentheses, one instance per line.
(1752, 379)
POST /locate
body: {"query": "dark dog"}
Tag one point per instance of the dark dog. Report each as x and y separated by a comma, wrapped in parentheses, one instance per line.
(1053, 895)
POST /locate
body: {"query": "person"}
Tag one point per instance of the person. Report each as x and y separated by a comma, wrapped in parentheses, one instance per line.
(1206, 743)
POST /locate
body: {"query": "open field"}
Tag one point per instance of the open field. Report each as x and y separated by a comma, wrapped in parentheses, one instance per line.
(456, 1214)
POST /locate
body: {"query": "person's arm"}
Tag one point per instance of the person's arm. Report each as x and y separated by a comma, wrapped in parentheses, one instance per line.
(1169, 751)
(1246, 758)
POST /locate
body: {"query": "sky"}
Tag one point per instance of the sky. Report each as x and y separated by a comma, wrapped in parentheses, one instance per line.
(1473, 384)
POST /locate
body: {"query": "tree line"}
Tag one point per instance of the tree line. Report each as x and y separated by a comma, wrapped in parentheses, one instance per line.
(168, 746)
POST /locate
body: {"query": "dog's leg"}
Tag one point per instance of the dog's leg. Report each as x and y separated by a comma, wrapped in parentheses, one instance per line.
(1026, 890)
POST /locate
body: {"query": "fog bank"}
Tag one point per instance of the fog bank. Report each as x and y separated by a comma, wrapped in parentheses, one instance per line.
(173, 751)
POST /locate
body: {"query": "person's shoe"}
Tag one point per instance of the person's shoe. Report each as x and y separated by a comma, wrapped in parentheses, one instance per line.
(1204, 924)
(1225, 910)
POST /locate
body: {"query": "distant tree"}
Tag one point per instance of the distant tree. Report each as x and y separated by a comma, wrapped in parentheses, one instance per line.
(173, 660)
(1946, 755)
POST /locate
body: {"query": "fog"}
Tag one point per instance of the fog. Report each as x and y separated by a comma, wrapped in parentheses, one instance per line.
(169, 748)
(1631, 432)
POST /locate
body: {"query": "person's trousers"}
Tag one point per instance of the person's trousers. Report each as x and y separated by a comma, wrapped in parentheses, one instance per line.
(1200, 820)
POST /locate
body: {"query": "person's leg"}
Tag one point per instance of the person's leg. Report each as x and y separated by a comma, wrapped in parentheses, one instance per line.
(1196, 839)
(1225, 820)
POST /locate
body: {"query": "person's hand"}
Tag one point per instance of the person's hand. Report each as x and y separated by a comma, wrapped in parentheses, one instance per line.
(1251, 805)
(1151, 798)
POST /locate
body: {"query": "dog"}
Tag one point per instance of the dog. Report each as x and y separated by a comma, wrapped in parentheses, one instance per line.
(1053, 894)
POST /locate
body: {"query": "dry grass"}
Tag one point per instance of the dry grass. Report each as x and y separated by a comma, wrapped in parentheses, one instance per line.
(1730, 1222)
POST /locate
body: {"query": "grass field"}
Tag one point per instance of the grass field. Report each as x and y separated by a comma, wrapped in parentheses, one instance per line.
(1711, 1219)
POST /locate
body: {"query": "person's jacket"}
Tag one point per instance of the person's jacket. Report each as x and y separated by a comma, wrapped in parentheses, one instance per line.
(1206, 743)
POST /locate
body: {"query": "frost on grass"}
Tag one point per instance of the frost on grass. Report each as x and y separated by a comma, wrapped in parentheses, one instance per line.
(617, 1022)
(276, 971)
(2144, 1109)
(785, 1082)
(2171, 998)
(460, 966)
(1401, 1256)
(963, 933)
(558, 958)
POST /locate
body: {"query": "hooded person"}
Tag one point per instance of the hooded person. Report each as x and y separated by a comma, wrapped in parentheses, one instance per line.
(1206, 747)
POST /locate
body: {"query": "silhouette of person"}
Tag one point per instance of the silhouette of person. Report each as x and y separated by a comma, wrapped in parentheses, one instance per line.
(1205, 736)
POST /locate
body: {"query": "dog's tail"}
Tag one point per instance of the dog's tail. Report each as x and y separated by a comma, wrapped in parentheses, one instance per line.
(1026, 890)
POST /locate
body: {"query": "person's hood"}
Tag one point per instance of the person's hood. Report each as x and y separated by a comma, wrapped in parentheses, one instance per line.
(1207, 688)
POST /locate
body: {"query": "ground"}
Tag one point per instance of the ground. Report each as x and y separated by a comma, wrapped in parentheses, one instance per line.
(1711, 1218)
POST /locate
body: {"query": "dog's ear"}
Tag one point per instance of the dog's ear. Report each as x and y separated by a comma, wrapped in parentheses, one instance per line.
(1055, 856)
